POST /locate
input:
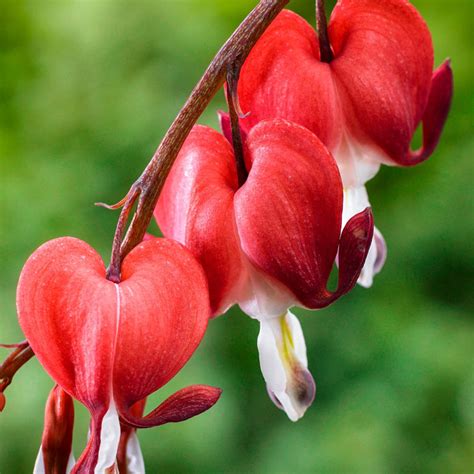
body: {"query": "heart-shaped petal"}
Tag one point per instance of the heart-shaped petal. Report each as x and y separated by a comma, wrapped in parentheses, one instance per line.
(111, 344)
(373, 94)
(196, 209)
(289, 211)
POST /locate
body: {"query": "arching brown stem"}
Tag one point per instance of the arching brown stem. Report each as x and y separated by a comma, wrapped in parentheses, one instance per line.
(150, 183)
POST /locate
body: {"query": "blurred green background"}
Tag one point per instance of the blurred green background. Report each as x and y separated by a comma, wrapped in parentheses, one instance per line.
(87, 90)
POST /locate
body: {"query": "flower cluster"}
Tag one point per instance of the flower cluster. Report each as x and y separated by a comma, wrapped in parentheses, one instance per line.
(314, 132)
(257, 215)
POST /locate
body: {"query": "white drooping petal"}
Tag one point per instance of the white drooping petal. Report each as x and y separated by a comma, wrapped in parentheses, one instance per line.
(109, 440)
(135, 462)
(355, 201)
(282, 354)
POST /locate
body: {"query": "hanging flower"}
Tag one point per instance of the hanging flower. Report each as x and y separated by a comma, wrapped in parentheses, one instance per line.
(269, 244)
(110, 345)
(364, 103)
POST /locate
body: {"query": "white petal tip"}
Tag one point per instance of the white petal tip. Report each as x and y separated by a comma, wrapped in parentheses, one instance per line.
(282, 352)
(109, 440)
(298, 397)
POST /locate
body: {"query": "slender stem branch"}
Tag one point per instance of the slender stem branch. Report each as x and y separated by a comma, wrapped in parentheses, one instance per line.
(148, 187)
(113, 272)
(234, 112)
(325, 51)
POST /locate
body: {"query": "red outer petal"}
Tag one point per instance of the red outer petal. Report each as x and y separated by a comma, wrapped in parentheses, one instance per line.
(436, 113)
(196, 209)
(67, 310)
(164, 311)
(288, 212)
(93, 336)
(377, 88)
(353, 249)
(180, 406)
(384, 62)
(283, 78)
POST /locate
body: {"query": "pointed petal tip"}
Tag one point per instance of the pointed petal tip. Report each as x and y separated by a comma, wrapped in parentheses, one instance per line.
(354, 247)
(355, 200)
(304, 392)
(435, 115)
(3, 401)
(182, 405)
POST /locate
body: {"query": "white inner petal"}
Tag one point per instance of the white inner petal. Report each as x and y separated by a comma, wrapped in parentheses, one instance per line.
(109, 440)
(283, 361)
(135, 462)
(261, 297)
(110, 430)
(357, 163)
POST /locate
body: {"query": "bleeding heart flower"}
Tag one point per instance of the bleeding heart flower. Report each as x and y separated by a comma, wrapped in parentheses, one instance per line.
(365, 103)
(270, 244)
(110, 345)
(55, 454)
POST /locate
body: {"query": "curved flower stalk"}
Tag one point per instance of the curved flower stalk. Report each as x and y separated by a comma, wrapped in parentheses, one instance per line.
(269, 244)
(55, 454)
(110, 345)
(364, 101)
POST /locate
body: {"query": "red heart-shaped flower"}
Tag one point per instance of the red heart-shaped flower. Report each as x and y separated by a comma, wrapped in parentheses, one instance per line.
(369, 99)
(110, 345)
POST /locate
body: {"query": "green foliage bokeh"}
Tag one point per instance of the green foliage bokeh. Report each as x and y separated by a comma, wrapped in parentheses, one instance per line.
(87, 90)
